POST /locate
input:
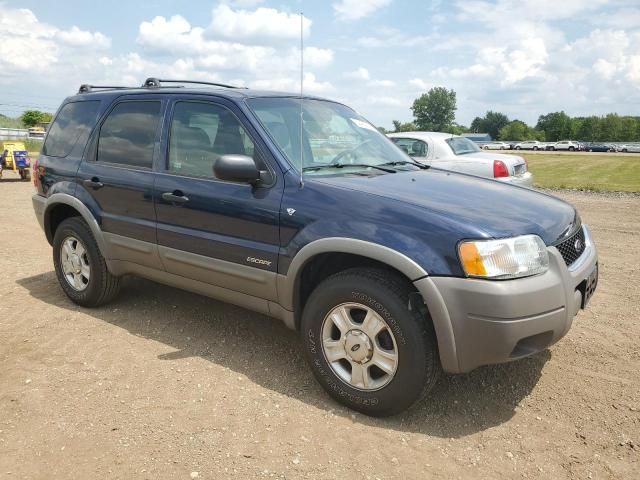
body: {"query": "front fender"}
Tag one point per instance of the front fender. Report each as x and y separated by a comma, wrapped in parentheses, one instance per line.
(363, 248)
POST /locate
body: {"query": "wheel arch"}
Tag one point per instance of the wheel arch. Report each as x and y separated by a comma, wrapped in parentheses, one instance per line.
(345, 253)
(61, 206)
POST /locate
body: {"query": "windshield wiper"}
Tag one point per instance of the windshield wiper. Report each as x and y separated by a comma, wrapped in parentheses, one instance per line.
(406, 162)
(342, 165)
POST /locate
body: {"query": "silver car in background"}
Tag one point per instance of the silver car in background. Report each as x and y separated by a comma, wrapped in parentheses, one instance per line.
(496, 146)
(459, 154)
(629, 148)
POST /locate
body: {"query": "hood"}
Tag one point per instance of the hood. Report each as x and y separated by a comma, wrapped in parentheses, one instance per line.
(498, 209)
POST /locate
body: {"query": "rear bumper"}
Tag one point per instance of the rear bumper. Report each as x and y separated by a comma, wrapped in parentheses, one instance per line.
(524, 180)
(481, 322)
(39, 203)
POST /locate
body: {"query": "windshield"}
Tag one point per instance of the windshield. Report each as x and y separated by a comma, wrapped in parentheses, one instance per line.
(332, 135)
(461, 145)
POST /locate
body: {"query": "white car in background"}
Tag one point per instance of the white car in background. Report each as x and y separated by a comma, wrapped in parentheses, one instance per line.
(529, 145)
(630, 148)
(459, 154)
(496, 146)
(565, 145)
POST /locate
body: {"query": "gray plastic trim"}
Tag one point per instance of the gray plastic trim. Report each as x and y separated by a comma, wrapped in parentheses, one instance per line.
(65, 198)
(393, 258)
(249, 302)
(119, 247)
(234, 276)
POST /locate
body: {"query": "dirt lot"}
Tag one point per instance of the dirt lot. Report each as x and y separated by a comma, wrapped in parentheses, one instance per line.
(166, 384)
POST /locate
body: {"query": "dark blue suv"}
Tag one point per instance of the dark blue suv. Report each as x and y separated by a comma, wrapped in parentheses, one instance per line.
(298, 208)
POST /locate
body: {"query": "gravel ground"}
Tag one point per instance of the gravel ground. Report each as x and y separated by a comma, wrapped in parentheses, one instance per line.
(165, 384)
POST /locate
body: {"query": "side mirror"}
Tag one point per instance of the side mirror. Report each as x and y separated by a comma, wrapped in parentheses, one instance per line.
(237, 168)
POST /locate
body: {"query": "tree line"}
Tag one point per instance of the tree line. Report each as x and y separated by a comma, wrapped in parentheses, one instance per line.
(435, 111)
(28, 119)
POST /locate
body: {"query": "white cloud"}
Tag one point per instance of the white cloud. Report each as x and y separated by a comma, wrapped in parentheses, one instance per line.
(384, 100)
(523, 62)
(419, 83)
(391, 37)
(30, 45)
(263, 24)
(381, 83)
(356, 9)
(317, 57)
(81, 38)
(291, 84)
(360, 73)
(243, 3)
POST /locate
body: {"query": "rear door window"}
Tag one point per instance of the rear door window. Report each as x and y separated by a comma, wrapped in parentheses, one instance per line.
(128, 135)
(412, 146)
(71, 126)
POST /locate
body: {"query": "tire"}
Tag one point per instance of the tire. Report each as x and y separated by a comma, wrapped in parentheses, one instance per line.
(517, 148)
(535, 148)
(624, 150)
(571, 149)
(407, 333)
(99, 287)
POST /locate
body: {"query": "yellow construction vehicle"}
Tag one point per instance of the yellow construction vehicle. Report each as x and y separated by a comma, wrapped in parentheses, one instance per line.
(14, 156)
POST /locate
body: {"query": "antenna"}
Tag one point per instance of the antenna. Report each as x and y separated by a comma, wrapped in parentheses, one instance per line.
(301, 95)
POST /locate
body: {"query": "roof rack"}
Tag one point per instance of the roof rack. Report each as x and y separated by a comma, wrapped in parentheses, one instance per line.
(152, 82)
(86, 88)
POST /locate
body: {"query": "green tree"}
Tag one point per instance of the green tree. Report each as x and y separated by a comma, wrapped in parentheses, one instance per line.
(398, 126)
(435, 110)
(556, 126)
(491, 123)
(457, 129)
(519, 131)
(588, 130)
(30, 118)
(628, 129)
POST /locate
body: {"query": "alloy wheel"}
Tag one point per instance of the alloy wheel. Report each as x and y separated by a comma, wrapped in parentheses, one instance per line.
(359, 346)
(75, 263)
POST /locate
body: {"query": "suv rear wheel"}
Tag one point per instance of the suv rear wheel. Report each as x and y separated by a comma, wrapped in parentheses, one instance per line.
(80, 267)
(365, 345)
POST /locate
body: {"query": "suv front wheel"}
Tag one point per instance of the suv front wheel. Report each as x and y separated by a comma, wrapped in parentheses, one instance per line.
(366, 345)
(80, 267)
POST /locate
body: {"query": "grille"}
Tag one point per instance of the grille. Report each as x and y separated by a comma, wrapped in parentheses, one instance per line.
(572, 247)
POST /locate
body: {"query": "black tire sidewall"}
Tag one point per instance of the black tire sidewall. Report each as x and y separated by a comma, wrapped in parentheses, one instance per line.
(78, 229)
(414, 359)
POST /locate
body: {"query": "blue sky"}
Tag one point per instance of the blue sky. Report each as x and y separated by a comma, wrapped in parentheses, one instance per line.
(520, 57)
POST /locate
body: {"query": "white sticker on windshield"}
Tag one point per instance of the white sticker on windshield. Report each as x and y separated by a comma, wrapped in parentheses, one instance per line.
(361, 124)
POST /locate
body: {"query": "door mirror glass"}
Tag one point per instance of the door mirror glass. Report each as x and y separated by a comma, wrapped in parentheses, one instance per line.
(237, 168)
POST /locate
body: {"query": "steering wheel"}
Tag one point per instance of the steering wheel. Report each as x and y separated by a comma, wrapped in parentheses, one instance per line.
(351, 151)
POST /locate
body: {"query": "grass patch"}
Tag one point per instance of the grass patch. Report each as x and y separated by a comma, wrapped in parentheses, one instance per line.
(583, 171)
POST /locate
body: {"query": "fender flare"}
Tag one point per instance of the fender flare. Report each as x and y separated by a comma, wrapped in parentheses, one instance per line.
(287, 283)
(85, 213)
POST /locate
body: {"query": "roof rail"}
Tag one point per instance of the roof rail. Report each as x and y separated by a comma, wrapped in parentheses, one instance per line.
(86, 88)
(152, 82)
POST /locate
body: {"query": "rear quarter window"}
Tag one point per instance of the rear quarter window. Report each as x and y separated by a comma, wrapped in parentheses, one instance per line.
(71, 126)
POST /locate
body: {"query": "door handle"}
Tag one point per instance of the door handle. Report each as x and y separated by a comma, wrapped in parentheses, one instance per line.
(175, 197)
(94, 183)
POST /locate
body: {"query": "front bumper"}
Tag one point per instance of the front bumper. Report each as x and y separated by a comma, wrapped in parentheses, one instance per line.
(481, 322)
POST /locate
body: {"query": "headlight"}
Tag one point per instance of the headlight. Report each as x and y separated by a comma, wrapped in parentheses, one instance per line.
(505, 258)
